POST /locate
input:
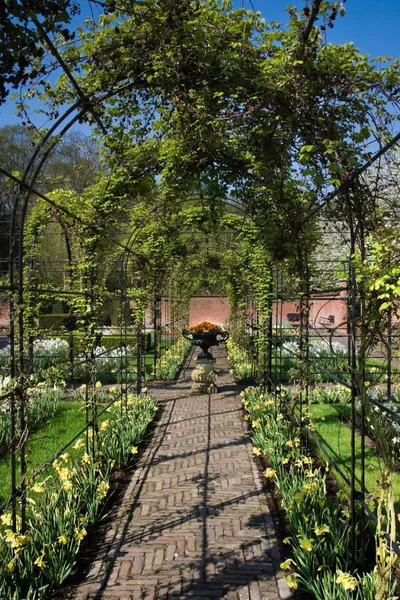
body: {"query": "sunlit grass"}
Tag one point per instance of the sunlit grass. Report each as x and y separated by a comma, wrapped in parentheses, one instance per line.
(335, 436)
(44, 443)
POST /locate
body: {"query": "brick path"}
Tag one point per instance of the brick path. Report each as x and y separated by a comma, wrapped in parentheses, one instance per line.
(194, 522)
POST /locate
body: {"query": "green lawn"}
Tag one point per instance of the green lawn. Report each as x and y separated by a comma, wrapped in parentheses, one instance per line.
(45, 442)
(335, 435)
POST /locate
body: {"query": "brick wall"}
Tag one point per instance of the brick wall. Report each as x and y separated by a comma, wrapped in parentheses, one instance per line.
(209, 308)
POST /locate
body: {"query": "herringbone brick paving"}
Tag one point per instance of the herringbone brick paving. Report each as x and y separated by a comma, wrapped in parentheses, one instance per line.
(194, 522)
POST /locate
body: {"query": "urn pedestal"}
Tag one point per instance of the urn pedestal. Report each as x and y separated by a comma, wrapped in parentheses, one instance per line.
(204, 377)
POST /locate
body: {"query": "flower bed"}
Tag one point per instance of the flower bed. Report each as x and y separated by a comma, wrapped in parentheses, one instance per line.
(238, 357)
(319, 532)
(68, 498)
(167, 367)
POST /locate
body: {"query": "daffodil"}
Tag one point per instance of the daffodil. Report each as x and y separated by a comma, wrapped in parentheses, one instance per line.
(6, 519)
(63, 539)
(269, 472)
(38, 488)
(11, 566)
(67, 485)
(286, 564)
(79, 444)
(39, 562)
(306, 544)
(86, 460)
(98, 384)
(80, 534)
(102, 489)
(134, 450)
(320, 530)
(257, 451)
(291, 581)
(346, 580)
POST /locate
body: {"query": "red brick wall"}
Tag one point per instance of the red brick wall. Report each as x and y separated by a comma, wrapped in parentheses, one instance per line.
(216, 310)
(321, 307)
(209, 308)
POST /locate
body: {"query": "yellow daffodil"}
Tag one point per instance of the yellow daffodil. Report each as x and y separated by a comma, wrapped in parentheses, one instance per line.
(39, 562)
(86, 460)
(67, 485)
(306, 544)
(134, 450)
(320, 530)
(11, 566)
(63, 539)
(79, 444)
(269, 472)
(286, 564)
(284, 460)
(291, 581)
(104, 425)
(102, 489)
(38, 488)
(65, 457)
(80, 534)
(64, 474)
(257, 451)
(6, 519)
(310, 487)
(98, 384)
(346, 580)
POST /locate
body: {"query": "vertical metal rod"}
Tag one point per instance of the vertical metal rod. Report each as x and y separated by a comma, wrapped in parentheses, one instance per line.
(155, 325)
(139, 359)
(354, 394)
(13, 402)
(270, 305)
(389, 357)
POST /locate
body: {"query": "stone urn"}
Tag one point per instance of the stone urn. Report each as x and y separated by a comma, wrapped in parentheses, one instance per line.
(204, 375)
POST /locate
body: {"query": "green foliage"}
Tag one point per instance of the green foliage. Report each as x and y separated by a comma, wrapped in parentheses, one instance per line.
(69, 498)
(320, 538)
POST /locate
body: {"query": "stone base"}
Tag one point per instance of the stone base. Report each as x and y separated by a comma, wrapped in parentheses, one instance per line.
(203, 388)
(204, 377)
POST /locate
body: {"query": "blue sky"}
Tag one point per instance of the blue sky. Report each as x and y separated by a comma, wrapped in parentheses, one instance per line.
(372, 25)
